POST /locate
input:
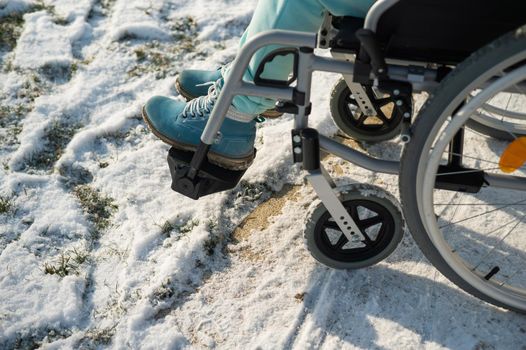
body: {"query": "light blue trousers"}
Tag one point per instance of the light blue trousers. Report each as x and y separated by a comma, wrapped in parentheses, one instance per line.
(298, 15)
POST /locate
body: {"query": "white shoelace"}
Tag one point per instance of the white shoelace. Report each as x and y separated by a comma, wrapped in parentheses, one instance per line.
(203, 105)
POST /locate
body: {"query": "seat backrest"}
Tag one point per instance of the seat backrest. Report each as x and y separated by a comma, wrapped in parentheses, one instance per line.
(441, 31)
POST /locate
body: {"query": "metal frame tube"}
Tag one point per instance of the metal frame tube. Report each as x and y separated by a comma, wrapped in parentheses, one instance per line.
(303, 86)
(234, 84)
(326, 64)
(358, 158)
(375, 12)
(252, 89)
(508, 182)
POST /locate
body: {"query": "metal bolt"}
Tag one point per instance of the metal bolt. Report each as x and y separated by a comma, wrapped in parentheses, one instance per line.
(297, 150)
(407, 115)
(396, 92)
(399, 103)
(296, 139)
(380, 70)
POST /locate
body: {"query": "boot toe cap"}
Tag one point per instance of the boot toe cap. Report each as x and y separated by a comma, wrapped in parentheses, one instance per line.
(162, 111)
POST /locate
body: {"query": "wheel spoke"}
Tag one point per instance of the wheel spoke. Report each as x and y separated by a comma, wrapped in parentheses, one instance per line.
(350, 100)
(482, 214)
(332, 225)
(353, 210)
(362, 119)
(499, 243)
(341, 242)
(367, 240)
(382, 102)
(366, 223)
(381, 115)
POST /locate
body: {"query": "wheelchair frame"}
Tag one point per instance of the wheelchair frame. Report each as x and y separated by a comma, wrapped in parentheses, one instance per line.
(306, 142)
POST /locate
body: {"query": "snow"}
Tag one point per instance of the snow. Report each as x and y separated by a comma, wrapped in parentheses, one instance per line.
(11, 6)
(191, 285)
(34, 49)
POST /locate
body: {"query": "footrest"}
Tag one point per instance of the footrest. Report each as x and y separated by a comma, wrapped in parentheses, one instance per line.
(210, 178)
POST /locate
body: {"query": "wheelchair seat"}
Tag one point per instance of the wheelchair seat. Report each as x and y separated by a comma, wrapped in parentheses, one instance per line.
(434, 31)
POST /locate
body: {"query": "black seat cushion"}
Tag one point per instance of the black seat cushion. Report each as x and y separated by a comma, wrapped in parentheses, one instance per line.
(439, 31)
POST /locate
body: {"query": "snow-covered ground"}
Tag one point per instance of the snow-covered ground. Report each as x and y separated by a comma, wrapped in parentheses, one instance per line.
(96, 250)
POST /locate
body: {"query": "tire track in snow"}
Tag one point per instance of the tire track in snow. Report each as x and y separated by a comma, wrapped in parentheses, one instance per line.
(298, 337)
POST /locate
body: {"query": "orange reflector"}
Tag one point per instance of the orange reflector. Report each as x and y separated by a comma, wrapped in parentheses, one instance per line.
(514, 156)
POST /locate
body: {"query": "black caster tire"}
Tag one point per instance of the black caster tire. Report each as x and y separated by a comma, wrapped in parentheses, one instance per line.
(385, 230)
(351, 121)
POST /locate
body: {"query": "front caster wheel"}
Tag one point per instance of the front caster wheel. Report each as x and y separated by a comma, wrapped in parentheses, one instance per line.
(378, 217)
(350, 119)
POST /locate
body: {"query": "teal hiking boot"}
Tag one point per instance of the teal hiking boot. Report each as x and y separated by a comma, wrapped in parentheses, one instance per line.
(193, 83)
(180, 124)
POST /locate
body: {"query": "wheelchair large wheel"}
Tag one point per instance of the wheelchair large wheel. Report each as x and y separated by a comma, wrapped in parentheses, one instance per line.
(351, 120)
(464, 212)
(377, 215)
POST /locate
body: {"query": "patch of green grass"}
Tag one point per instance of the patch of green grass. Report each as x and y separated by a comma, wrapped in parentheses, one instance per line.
(58, 135)
(41, 6)
(32, 88)
(75, 175)
(101, 8)
(252, 191)
(6, 205)
(59, 73)
(158, 57)
(17, 105)
(8, 65)
(184, 26)
(140, 54)
(188, 226)
(211, 243)
(10, 119)
(96, 337)
(163, 292)
(10, 30)
(167, 227)
(11, 26)
(182, 228)
(34, 338)
(68, 263)
(107, 4)
(98, 207)
(6, 112)
(211, 224)
(219, 46)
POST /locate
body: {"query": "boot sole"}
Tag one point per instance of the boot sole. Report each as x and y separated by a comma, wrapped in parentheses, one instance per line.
(269, 113)
(214, 158)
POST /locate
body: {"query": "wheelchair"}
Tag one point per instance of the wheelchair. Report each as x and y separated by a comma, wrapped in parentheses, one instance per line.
(464, 210)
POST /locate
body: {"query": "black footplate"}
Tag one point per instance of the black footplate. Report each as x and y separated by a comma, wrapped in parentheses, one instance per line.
(209, 179)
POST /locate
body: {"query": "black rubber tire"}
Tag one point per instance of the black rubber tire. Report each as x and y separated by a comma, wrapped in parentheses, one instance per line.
(341, 118)
(454, 87)
(351, 193)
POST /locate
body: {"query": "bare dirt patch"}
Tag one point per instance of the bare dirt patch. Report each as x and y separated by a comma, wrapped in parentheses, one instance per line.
(258, 219)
